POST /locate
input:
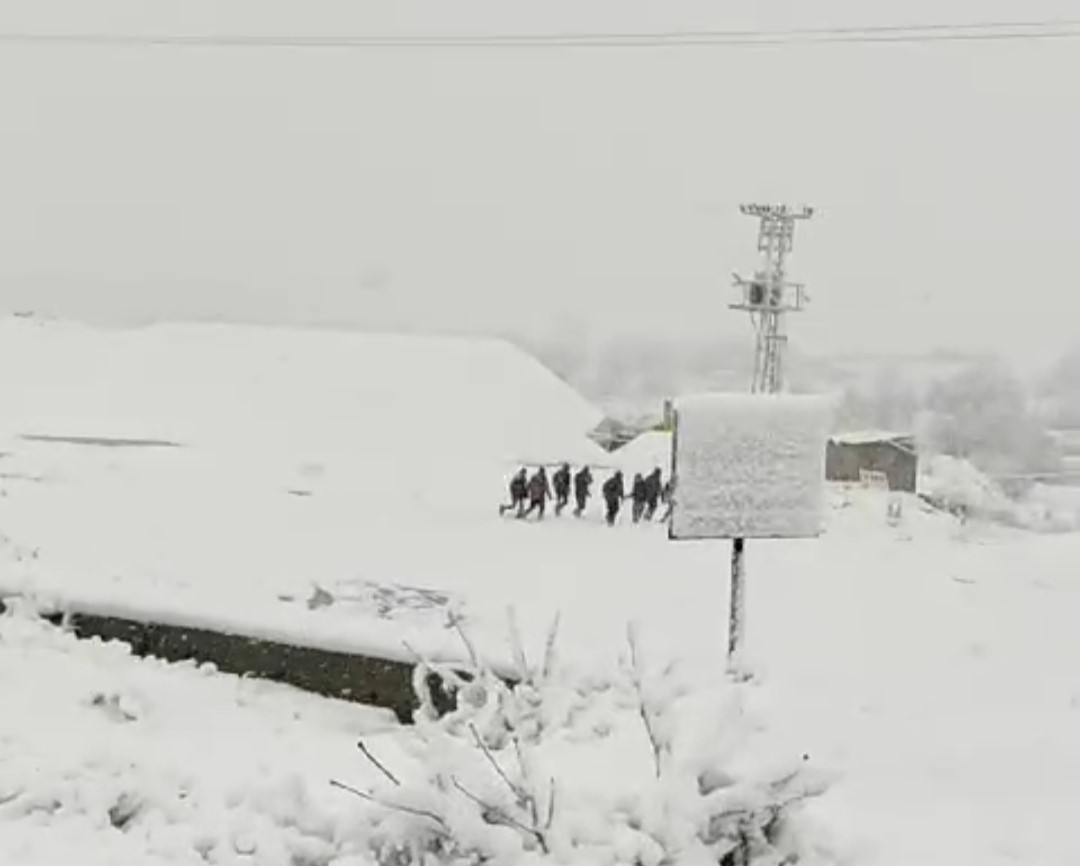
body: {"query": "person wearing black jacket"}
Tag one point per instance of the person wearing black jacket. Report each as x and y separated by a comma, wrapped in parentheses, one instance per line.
(582, 484)
(539, 494)
(653, 489)
(639, 495)
(614, 493)
(518, 492)
(561, 482)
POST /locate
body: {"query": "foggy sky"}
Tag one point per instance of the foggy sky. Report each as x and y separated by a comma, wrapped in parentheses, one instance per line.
(532, 189)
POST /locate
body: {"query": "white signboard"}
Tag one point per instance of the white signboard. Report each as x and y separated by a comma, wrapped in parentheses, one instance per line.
(749, 466)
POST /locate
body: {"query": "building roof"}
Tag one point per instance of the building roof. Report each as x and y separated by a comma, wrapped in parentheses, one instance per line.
(867, 437)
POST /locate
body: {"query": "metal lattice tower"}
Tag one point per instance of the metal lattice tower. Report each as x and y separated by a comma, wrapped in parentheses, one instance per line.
(768, 296)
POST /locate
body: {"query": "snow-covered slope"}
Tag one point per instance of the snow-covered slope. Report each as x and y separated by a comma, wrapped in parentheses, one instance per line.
(931, 664)
(373, 396)
(646, 452)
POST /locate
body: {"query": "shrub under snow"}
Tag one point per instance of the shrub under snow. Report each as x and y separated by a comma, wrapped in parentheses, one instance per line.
(643, 768)
(958, 486)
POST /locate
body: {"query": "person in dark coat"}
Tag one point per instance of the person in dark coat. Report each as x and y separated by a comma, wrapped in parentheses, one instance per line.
(639, 495)
(614, 493)
(666, 496)
(582, 482)
(518, 492)
(561, 482)
(653, 489)
(539, 494)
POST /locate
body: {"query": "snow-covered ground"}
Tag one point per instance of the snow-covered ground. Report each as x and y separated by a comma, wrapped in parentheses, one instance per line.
(107, 760)
(931, 664)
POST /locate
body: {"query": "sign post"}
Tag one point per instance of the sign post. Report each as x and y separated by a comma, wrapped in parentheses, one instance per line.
(748, 466)
(737, 608)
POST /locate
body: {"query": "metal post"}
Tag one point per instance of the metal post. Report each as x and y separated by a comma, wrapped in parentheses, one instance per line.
(737, 610)
(767, 297)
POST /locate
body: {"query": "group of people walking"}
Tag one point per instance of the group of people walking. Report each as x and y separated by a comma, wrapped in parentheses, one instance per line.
(529, 494)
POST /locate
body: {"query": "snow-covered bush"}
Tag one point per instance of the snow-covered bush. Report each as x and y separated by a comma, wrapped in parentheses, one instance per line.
(645, 767)
(983, 415)
(958, 486)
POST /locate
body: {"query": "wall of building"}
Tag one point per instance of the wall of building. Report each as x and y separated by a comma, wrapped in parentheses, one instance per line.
(845, 462)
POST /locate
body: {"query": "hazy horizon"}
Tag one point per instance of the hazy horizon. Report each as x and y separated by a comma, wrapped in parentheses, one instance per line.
(530, 191)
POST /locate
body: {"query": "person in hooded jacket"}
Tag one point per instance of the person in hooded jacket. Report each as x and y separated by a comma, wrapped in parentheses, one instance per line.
(614, 493)
(539, 494)
(639, 495)
(653, 489)
(582, 482)
(561, 482)
(518, 492)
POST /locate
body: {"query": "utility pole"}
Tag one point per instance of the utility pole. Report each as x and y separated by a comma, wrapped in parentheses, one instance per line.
(768, 296)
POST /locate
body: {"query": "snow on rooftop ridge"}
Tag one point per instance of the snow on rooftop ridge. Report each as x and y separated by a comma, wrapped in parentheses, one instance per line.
(863, 437)
(297, 389)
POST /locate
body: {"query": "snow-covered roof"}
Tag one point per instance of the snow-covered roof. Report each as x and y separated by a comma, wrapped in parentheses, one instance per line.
(377, 397)
(645, 452)
(864, 437)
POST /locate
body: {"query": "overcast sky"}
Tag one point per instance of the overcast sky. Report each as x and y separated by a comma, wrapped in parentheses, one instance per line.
(522, 188)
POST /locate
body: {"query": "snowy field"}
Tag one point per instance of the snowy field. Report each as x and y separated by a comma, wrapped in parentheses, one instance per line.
(933, 666)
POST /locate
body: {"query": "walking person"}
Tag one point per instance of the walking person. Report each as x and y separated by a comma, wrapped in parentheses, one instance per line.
(638, 493)
(561, 482)
(667, 497)
(614, 493)
(539, 493)
(653, 489)
(582, 483)
(518, 491)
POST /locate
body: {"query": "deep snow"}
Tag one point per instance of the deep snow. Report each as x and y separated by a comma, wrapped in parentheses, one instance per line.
(931, 664)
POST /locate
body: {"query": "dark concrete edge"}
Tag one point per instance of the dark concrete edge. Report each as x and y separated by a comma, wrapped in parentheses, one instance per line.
(352, 677)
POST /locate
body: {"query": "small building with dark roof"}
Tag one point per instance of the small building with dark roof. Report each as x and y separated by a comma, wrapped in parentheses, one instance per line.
(850, 456)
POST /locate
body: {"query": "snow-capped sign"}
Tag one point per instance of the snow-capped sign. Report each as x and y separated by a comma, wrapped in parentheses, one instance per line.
(750, 466)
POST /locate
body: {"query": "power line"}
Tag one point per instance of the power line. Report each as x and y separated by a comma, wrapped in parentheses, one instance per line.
(894, 33)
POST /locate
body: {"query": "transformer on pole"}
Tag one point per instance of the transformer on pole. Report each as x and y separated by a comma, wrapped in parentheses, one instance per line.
(768, 296)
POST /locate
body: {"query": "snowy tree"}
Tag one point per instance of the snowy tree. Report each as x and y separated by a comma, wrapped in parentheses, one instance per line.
(982, 414)
(1061, 389)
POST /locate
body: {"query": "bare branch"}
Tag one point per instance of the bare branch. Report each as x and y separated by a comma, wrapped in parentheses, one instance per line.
(551, 806)
(366, 752)
(442, 671)
(417, 657)
(455, 620)
(516, 645)
(501, 816)
(631, 636)
(518, 793)
(549, 646)
(396, 807)
(527, 799)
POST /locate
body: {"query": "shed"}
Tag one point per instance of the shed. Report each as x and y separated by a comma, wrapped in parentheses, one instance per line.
(849, 455)
(612, 434)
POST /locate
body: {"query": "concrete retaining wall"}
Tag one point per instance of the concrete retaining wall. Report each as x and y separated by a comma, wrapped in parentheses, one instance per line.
(357, 678)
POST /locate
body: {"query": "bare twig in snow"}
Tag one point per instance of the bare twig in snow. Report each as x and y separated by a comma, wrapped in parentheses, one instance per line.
(441, 671)
(516, 790)
(455, 619)
(527, 799)
(549, 646)
(551, 807)
(397, 807)
(516, 645)
(631, 636)
(366, 752)
(501, 816)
